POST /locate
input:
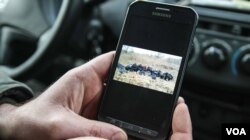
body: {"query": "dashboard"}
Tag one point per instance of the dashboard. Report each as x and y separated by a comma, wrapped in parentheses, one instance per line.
(217, 82)
(221, 49)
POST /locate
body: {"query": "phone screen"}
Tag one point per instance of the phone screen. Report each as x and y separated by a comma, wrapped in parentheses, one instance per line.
(146, 71)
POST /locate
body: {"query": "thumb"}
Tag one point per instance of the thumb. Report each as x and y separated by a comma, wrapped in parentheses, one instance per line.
(182, 126)
(87, 138)
(105, 130)
(77, 126)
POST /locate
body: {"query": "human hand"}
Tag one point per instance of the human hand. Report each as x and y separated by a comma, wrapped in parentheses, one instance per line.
(59, 112)
(64, 110)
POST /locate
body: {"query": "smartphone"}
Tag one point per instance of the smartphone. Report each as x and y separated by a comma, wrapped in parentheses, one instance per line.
(147, 71)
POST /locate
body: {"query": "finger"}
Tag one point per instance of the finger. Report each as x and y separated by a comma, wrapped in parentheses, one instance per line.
(105, 130)
(90, 110)
(78, 126)
(181, 119)
(87, 138)
(92, 75)
(180, 100)
(180, 136)
(101, 64)
(182, 127)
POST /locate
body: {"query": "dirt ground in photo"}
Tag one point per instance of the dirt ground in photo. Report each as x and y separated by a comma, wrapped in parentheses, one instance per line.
(145, 81)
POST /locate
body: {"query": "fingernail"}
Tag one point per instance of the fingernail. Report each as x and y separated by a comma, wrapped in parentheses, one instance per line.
(119, 136)
(182, 99)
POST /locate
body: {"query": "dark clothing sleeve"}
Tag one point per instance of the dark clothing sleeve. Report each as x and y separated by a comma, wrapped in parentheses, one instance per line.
(12, 91)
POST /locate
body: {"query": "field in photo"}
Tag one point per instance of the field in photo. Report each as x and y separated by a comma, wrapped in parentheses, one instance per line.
(148, 69)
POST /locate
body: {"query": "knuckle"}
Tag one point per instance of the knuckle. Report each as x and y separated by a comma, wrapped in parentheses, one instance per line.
(71, 73)
(95, 131)
(54, 127)
(74, 74)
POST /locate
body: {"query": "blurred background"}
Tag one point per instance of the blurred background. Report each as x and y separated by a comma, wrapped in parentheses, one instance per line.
(42, 39)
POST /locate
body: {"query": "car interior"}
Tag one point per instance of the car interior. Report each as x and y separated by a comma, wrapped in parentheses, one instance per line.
(40, 40)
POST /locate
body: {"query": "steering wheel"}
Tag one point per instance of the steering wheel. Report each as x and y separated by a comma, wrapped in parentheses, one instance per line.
(25, 20)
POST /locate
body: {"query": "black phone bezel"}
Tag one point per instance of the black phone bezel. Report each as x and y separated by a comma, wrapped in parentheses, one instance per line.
(189, 12)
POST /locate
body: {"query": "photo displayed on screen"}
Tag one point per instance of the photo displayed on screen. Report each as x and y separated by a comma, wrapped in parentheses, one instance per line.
(148, 69)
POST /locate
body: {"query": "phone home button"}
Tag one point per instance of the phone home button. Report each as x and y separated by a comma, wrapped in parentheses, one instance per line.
(132, 127)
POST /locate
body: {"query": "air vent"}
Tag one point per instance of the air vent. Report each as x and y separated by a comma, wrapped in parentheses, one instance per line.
(225, 28)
